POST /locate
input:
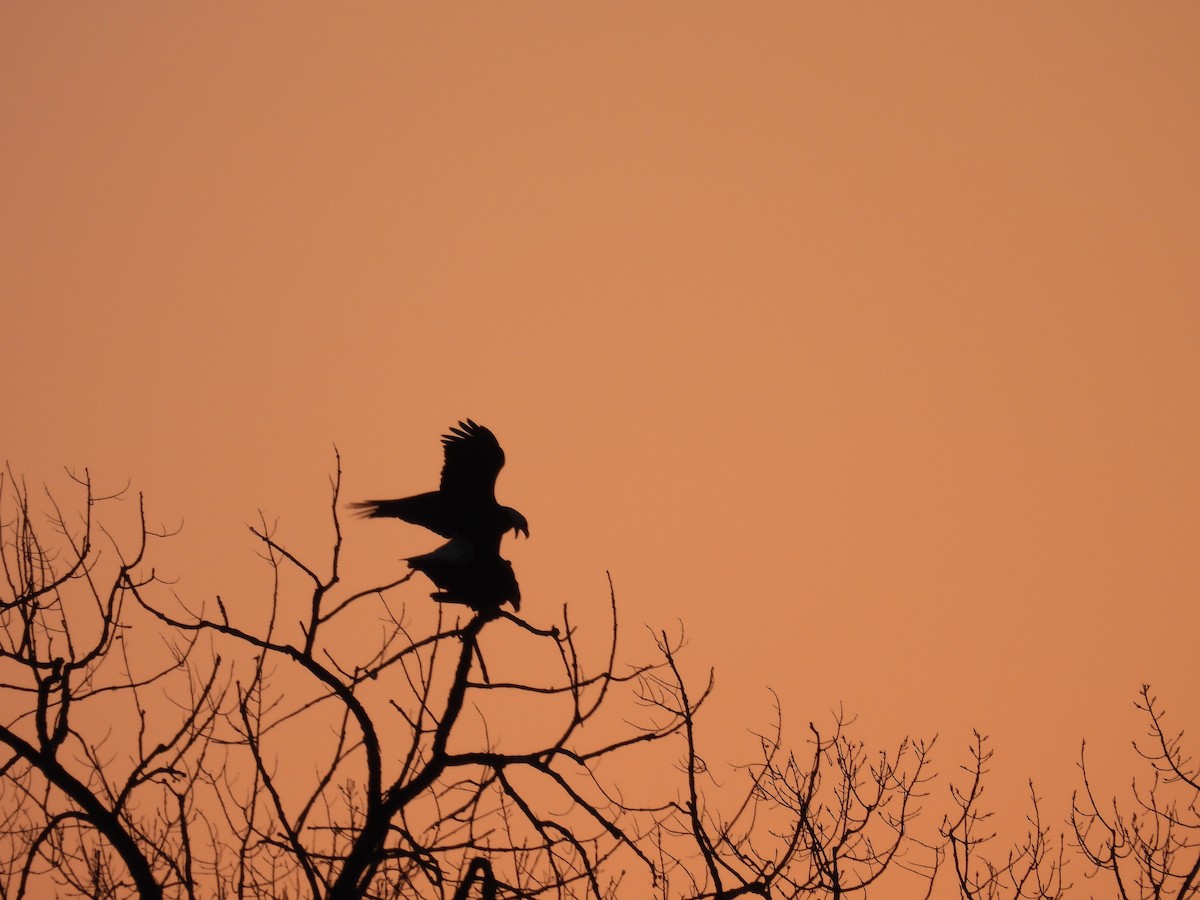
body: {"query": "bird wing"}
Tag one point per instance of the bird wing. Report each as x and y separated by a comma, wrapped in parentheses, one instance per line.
(427, 510)
(473, 460)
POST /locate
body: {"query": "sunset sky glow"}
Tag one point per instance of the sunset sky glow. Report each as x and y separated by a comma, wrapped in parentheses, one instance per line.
(862, 340)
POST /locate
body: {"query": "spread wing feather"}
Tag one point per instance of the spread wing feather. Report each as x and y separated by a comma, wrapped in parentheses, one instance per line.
(427, 510)
(465, 504)
(473, 460)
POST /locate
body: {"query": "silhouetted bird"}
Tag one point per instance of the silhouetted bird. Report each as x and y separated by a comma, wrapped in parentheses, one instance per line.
(468, 569)
(464, 577)
(464, 506)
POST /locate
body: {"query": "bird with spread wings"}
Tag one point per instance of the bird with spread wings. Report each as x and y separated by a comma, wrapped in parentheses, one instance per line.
(468, 568)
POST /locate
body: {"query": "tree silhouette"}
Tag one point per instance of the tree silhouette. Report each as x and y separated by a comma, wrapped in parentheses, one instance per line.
(1032, 868)
(330, 741)
(93, 805)
(1151, 847)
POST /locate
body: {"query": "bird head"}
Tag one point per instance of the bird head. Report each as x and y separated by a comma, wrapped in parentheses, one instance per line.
(520, 524)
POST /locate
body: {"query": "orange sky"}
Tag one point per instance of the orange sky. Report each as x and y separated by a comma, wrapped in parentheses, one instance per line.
(865, 341)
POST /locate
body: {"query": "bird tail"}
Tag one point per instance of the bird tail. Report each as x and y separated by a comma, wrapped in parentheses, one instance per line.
(375, 509)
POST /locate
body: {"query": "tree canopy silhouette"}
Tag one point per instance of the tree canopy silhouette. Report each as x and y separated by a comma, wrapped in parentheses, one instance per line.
(325, 738)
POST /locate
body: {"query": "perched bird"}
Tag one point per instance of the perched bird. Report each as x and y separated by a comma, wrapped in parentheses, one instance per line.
(468, 569)
(464, 506)
(482, 583)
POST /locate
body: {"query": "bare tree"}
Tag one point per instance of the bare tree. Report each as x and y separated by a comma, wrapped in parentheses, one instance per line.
(827, 825)
(92, 805)
(1032, 869)
(400, 794)
(327, 740)
(1150, 846)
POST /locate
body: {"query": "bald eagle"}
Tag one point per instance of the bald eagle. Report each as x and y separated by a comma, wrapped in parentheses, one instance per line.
(461, 576)
(464, 506)
(468, 568)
